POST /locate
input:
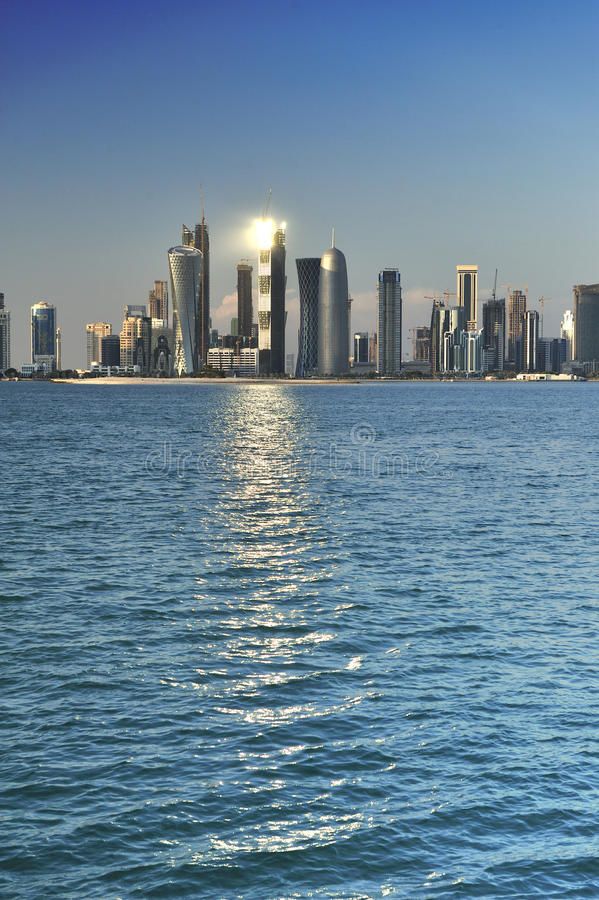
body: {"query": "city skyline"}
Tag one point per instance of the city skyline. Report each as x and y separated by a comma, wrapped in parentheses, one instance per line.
(524, 206)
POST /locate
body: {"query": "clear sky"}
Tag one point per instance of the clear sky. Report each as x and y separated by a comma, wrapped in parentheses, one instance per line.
(428, 132)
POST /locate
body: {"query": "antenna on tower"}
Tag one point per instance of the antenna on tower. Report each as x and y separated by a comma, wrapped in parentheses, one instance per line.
(333, 236)
(202, 201)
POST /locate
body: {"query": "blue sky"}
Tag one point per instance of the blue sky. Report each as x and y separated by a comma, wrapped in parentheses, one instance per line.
(428, 133)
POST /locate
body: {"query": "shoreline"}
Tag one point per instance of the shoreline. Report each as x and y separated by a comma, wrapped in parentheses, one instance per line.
(310, 382)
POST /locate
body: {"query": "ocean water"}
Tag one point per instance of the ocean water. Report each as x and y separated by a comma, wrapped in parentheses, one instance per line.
(269, 641)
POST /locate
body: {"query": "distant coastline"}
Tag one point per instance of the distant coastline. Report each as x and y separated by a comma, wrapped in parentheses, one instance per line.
(304, 382)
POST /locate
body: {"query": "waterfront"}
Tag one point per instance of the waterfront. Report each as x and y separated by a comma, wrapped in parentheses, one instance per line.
(266, 642)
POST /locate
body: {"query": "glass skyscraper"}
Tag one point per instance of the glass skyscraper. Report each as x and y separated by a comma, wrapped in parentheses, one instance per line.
(43, 334)
(4, 336)
(389, 324)
(586, 322)
(467, 294)
(272, 283)
(308, 276)
(245, 310)
(185, 267)
(333, 314)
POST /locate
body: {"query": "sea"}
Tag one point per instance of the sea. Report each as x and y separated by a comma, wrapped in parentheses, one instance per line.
(295, 641)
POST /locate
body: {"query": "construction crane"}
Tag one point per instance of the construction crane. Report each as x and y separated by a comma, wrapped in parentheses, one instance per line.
(267, 204)
(495, 286)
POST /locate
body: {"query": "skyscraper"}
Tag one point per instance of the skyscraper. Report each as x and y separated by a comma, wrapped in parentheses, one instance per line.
(43, 335)
(389, 322)
(308, 276)
(95, 331)
(516, 311)
(361, 342)
(185, 266)
(136, 342)
(494, 335)
(421, 344)
(272, 283)
(467, 295)
(245, 310)
(586, 323)
(333, 319)
(111, 350)
(200, 239)
(59, 349)
(158, 301)
(567, 332)
(530, 340)
(4, 336)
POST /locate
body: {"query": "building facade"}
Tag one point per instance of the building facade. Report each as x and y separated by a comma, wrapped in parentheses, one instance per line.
(516, 313)
(199, 238)
(467, 295)
(389, 322)
(494, 335)
(567, 332)
(245, 308)
(185, 267)
(94, 332)
(421, 344)
(110, 350)
(158, 302)
(530, 341)
(43, 335)
(361, 348)
(586, 323)
(136, 343)
(272, 283)
(308, 276)
(333, 324)
(4, 336)
(242, 362)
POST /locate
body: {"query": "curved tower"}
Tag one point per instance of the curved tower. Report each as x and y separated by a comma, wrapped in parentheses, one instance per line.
(185, 267)
(333, 330)
(308, 275)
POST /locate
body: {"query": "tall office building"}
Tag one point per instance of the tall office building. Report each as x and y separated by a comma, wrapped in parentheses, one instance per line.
(59, 349)
(516, 312)
(586, 323)
(552, 354)
(4, 336)
(158, 302)
(421, 344)
(447, 349)
(245, 310)
(361, 348)
(333, 318)
(271, 297)
(43, 335)
(308, 276)
(136, 342)
(389, 322)
(94, 332)
(110, 350)
(467, 295)
(199, 238)
(494, 335)
(530, 341)
(567, 332)
(185, 267)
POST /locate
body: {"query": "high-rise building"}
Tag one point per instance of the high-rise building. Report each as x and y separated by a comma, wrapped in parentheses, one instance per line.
(158, 302)
(200, 239)
(516, 312)
(111, 350)
(59, 349)
(530, 341)
(361, 348)
(389, 322)
(136, 342)
(4, 336)
(552, 354)
(185, 266)
(421, 344)
(272, 283)
(494, 335)
(567, 332)
(467, 295)
(43, 335)
(586, 323)
(308, 276)
(244, 299)
(333, 294)
(373, 349)
(447, 349)
(95, 331)
(290, 364)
